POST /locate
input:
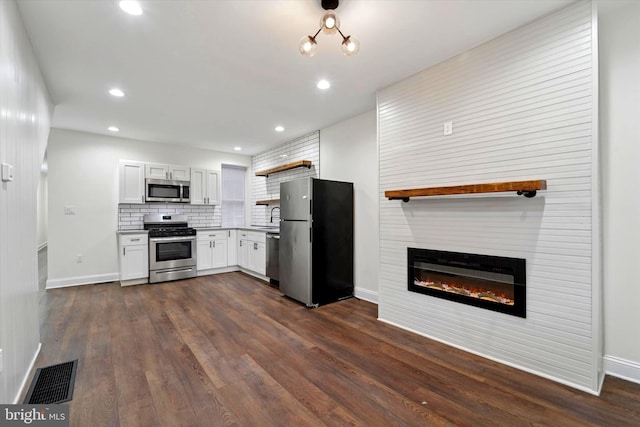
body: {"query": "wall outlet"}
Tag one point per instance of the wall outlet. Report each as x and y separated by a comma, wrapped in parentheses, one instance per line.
(448, 128)
(79, 258)
(7, 172)
(69, 210)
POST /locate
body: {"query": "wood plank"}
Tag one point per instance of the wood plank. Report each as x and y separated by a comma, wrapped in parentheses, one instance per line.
(492, 187)
(268, 202)
(229, 349)
(288, 166)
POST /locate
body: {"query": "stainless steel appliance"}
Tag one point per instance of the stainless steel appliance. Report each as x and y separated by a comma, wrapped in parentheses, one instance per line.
(172, 247)
(316, 240)
(164, 190)
(273, 256)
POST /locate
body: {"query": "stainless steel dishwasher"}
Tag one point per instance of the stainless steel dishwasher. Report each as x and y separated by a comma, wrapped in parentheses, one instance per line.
(273, 256)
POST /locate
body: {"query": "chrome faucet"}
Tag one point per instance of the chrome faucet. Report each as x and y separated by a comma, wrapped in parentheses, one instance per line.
(272, 209)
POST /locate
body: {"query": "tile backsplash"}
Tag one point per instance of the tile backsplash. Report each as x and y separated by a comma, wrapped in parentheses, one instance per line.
(130, 216)
(306, 147)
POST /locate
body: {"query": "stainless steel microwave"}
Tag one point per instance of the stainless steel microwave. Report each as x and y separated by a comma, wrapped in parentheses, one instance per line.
(164, 190)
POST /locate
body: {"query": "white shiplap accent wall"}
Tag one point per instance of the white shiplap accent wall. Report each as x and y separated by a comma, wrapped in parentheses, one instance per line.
(522, 108)
(306, 147)
(25, 115)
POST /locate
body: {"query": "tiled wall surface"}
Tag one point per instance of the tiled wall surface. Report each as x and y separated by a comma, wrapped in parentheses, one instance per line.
(130, 216)
(268, 188)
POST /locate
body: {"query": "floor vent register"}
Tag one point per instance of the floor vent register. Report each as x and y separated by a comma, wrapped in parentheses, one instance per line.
(52, 384)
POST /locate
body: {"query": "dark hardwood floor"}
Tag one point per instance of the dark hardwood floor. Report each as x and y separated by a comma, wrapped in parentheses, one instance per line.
(230, 350)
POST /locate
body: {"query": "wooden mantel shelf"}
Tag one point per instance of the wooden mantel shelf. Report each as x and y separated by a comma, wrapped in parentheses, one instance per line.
(524, 188)
(298, 164)
(268, 202)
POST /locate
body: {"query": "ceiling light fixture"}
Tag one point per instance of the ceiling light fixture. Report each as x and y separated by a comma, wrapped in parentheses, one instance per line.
(329, 24)
(131, 7)
(237, 148)
(279, 129)
(323, 84)
(116, 92)
(113, 129)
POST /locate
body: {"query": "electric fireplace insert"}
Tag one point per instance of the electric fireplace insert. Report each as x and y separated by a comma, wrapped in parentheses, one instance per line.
(491, 282)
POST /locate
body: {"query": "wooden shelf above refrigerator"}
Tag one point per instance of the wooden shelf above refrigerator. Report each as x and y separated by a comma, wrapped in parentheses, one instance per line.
(524, 188)
(289, 166)
(268, 202)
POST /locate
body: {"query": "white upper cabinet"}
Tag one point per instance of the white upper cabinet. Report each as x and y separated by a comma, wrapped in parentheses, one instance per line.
(205, 187)
(131, 182)
(161, 171)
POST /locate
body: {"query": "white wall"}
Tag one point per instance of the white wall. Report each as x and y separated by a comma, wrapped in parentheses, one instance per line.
(25, 113)
(349, 152)
(620, 142)
(522, 108)
(83, 173)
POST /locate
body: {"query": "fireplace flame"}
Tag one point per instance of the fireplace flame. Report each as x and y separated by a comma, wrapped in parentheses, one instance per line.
(471, 292)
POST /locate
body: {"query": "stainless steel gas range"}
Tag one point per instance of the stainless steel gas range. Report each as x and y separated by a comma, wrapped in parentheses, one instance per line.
(172, 247)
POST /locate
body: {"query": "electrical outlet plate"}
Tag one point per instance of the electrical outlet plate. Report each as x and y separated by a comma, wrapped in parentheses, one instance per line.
(7, 172)
(448, 128)
(69, 210)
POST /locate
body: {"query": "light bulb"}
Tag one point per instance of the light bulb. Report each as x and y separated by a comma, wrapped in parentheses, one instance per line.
(350, 46)
(307, 46)
(329, 22)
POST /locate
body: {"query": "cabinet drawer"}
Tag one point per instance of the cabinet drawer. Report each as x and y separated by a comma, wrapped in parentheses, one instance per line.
(134, 239)
(212, 235)
(244, 235)
(257, 236)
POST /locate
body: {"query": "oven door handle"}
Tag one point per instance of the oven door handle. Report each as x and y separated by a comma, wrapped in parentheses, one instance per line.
(171, 239)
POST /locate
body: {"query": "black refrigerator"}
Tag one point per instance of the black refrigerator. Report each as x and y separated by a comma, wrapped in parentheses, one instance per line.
(316, 240)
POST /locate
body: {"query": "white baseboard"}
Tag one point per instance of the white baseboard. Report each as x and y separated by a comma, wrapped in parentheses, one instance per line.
(366, 294)
(621, 368)
(82, 280)
(254, 274)
(26, 375)
(42, 246)
(218, 270)
(495, 359)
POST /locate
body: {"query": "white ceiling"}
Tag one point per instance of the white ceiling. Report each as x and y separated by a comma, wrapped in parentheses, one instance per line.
(219, 73)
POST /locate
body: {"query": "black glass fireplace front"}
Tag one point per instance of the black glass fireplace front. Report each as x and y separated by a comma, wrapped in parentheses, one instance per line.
(491, 282)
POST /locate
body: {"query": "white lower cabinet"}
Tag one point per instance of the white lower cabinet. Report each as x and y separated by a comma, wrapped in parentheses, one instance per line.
(212, 249)
(252, 253)
(134, 257)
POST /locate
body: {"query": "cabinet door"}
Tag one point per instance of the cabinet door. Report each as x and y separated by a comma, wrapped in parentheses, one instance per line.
(219, 253)
(232, 247)
(134, 262)
(243, 253)
(204, 258)
(257, 257)
(260, 260)
(179, 173)
(156, 171)
(131, 182)
(213, 187)
(198, 189)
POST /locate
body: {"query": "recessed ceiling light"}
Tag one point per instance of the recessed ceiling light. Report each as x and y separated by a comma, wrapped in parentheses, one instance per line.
(323, 84)
(279, 129)
(237, 148)
(116, 92)
(113, 129)
(131, 7)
